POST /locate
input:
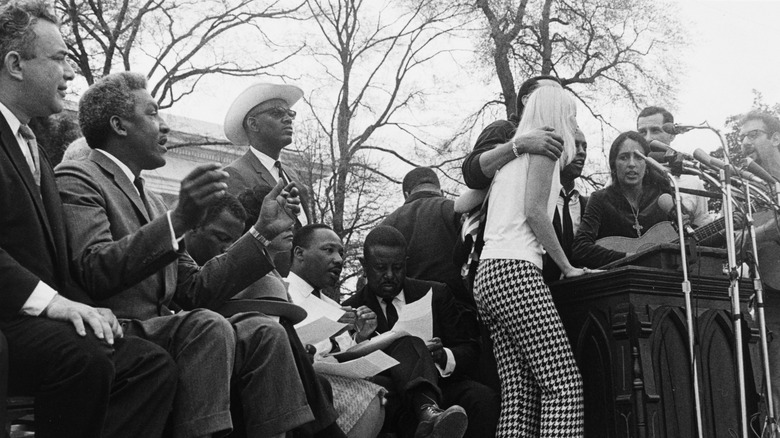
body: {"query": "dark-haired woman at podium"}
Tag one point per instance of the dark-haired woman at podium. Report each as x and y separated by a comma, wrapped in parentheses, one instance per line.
(628, 207)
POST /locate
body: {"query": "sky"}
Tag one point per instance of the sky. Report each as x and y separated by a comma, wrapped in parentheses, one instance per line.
(734, 50)
(731, 51)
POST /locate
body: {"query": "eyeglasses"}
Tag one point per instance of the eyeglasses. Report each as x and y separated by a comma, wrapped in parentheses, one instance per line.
(278, 112)
(752, 135)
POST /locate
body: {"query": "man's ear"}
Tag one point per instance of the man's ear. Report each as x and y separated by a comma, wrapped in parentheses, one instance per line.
(118, 126)
(775, 138)
(13, 64)
(297, 252)
(250, 124)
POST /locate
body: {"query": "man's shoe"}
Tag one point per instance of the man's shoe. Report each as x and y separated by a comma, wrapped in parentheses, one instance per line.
(438, 423)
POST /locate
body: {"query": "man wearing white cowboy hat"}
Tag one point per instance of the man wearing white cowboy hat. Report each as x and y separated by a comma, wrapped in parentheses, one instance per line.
(261, 117)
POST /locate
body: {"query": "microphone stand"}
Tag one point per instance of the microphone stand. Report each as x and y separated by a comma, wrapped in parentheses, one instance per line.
(686, 290)
(771, 422)
(736, 312)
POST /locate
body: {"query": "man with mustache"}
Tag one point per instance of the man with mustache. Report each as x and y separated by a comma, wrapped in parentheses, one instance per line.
(414, 410)
(261, 117)
(570, 207)
(454, 348)
(129, 256)
(759, 134)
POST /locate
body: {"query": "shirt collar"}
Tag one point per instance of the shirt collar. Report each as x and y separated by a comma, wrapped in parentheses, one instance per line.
(126, 170)
(266, 161)
(298, 286)
(573, 194)
(13, 121)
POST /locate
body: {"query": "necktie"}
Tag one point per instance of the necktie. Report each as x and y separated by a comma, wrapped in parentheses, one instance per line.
(282, 176)
(35, 166)
(568, 228)
(138, 182)
(391, 312)
(316, 293)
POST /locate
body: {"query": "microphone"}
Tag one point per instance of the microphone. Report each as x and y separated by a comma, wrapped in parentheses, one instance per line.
(675, 129)
(716, 164)
(666, 204)
(655, 165)
(660, 146)
(761, 172)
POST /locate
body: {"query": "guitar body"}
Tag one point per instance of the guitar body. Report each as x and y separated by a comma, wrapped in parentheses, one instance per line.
(662, 232)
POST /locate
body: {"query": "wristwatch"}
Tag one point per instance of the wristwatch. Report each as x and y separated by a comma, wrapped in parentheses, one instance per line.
(260, 238)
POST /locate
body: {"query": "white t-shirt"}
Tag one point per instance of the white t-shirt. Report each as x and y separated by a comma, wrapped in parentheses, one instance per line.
(507, 233)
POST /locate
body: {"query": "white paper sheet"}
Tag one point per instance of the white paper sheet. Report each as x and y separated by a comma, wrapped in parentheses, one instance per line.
(360, 368)
(317, 330)
(416, 318)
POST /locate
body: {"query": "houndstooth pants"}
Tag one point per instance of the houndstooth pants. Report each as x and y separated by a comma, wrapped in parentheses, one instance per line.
(541, 387)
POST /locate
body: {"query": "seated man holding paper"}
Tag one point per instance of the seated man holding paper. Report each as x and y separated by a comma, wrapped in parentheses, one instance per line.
(427, 311)
(413, 410)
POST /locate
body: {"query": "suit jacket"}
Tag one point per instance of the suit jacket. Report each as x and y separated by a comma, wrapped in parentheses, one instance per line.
(122, 249)
(451, 323)
(248, 172)
(33, 245)
(430, 225)
(550, 271)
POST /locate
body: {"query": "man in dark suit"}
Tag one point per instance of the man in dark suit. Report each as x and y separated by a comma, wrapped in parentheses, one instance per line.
(569, 208)
(128, 254)
(87, 378)
(414, 408)
(261, 118)
(430, 226)
(454, 349)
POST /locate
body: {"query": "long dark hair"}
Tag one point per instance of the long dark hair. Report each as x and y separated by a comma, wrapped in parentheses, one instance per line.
(651, 177)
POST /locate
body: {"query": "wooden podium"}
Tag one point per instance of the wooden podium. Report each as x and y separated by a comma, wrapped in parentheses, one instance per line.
(628, 332)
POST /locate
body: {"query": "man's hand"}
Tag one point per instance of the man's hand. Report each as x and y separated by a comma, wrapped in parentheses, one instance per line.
(199, 190)
(365, 323)
(542, 141)
(279, 210)
(101, 321)
(436, 348)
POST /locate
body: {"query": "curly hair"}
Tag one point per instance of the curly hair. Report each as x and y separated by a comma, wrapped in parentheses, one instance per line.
(110, 96)
(16, 21)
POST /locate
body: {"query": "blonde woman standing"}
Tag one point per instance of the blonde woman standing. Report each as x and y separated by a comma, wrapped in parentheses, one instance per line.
(541, 387)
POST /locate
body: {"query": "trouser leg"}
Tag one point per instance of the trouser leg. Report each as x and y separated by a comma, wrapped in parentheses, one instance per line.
(202, 343)
(266, 377)
(412, 383)
(482, 405)
(532, 350)
(144, 388)
(69, 375)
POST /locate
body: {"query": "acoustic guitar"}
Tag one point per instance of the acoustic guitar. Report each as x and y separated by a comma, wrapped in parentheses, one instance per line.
(664, 232)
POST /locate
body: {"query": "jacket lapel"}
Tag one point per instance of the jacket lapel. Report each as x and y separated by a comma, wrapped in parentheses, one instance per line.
(121, 180)
(258, 167)
(11, 147)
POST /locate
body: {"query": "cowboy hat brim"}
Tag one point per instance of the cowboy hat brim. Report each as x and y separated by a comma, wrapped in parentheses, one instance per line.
(250, 98)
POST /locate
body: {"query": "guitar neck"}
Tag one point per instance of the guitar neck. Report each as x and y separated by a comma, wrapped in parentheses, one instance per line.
(709, 230)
